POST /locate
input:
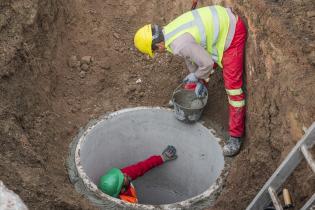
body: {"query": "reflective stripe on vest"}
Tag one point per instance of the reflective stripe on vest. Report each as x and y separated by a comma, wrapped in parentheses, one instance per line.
(216, 29)
(234, 92)
(211, 36)
(197, 21)
(201, 28)
(237, 104)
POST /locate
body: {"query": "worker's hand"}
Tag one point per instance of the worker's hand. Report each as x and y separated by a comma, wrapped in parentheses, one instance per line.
(190, 78)
(169, 153)
(201, 90)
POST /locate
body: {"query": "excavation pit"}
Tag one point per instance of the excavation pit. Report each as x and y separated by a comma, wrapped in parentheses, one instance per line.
(128, 136)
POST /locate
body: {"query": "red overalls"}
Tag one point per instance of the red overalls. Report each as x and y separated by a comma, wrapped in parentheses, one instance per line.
(232, 62)
(136, 170)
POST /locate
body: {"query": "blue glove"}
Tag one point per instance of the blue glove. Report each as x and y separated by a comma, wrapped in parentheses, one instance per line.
(201, 90)
(190, 78)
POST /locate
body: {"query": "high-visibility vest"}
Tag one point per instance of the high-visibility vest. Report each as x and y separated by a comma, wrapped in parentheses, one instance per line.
(208, 25)
(130, 198)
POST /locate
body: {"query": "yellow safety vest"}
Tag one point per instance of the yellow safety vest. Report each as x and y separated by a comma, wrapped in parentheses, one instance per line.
(208, 25)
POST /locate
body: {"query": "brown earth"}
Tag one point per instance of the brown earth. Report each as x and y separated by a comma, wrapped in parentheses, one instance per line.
(44, 101)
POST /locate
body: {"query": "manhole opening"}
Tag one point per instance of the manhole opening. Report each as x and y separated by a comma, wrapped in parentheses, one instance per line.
(128, 136)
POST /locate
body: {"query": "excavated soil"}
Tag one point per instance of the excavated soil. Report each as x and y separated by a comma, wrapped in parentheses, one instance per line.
(46, 96)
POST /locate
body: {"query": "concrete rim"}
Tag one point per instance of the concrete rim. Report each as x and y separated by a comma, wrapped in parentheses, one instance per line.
(93, 188)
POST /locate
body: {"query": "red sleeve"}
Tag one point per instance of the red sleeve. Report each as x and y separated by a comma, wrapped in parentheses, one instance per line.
(140, 168)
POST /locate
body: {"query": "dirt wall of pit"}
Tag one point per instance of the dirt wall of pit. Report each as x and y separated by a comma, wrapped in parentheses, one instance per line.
(29, 30)
(44, 102)
(280, 82)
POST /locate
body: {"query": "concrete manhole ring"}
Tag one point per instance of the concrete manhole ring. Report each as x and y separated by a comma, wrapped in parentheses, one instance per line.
(127, 136)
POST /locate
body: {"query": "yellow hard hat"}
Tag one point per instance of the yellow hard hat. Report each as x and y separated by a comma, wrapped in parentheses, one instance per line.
(143, 40)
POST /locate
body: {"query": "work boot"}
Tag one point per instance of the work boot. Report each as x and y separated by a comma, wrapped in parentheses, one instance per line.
(232, 146)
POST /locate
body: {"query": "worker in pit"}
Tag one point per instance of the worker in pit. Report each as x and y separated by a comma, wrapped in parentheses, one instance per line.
(206, 38)
(117, 182)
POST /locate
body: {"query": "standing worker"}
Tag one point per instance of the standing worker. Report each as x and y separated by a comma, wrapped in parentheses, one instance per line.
(117, 182)
(206, 37)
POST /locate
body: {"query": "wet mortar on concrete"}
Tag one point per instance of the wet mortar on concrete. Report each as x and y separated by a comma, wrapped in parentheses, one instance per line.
(188, 99)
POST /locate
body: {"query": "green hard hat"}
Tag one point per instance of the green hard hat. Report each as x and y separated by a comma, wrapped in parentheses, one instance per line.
(111, 182)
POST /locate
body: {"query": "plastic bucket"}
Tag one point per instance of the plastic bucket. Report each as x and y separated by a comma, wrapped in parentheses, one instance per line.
(187, 106)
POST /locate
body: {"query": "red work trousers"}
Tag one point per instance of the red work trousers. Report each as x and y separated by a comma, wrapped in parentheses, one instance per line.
(232, 62)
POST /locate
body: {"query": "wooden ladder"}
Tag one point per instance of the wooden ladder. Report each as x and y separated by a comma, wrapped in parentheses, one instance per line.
(269, 190)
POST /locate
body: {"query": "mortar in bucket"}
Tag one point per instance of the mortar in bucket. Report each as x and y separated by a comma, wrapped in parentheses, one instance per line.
(187, 106)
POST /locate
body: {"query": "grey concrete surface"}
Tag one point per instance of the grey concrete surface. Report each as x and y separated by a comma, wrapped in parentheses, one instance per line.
(130, 136)
(9, 200)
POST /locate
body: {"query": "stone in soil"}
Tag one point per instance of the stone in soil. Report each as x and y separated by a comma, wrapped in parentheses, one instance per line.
(86, 59)
(84, 67)
(310, 14)
(73, 62)
(116, 35)
(82, 74)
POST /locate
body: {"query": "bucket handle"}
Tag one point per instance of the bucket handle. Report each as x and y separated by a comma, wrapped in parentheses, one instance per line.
(177, 89)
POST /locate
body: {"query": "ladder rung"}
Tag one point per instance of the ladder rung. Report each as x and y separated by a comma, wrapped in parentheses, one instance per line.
(274, 198)
(310, 203)
(308, 157)
(285, 169)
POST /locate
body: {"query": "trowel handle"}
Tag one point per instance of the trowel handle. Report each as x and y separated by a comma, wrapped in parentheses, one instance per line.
(287, 199)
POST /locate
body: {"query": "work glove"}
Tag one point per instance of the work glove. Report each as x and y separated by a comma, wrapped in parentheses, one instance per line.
(190, 78)
(169, 153)
(201, 90)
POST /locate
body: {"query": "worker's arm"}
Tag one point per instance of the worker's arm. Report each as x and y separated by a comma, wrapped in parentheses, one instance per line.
(136, 170)
(198, 59)
(192, 67)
